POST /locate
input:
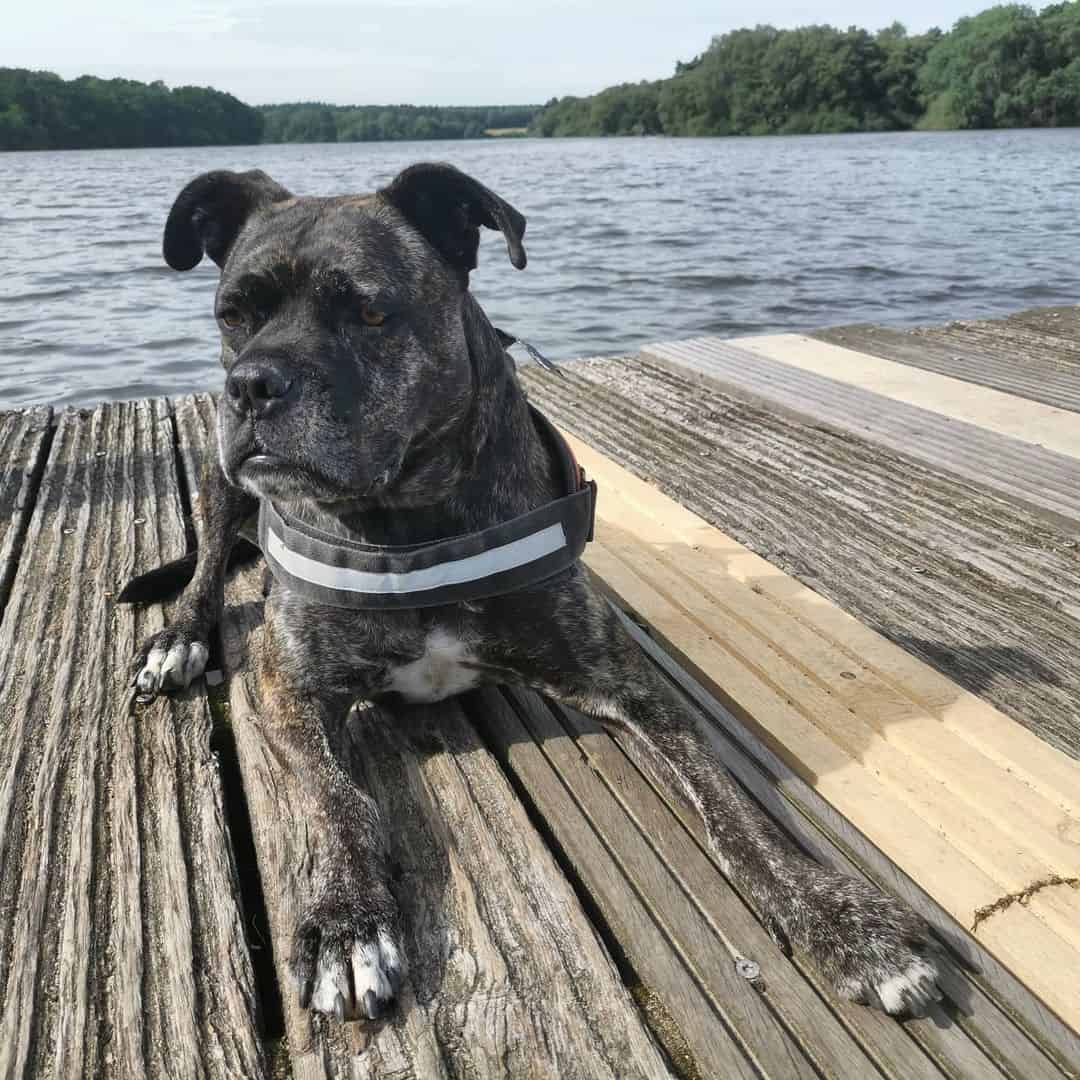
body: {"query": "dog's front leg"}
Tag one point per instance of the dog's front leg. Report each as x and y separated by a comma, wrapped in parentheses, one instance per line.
(346, 957)
(871, 946)
(176, 655)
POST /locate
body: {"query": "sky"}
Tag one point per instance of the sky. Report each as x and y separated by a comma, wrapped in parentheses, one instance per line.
(439, 52)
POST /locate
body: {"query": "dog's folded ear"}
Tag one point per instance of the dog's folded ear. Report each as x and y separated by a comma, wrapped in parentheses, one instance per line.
(210, 212)
(448, 207)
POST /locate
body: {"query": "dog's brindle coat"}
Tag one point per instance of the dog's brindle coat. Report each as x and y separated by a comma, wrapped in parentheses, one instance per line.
(366, 389)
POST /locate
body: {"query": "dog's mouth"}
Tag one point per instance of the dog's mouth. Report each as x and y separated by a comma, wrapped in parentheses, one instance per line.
(257, 461)
(270, 475)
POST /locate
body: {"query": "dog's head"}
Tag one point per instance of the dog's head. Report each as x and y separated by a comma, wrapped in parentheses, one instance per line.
(345, 330)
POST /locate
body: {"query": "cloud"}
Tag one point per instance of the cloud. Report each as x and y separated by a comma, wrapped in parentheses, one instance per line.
(417, 51)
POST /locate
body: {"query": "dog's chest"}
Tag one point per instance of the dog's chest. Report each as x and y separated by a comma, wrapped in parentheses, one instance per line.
(440, 672)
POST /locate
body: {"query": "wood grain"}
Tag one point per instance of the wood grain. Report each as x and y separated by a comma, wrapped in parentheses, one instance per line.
(24, 438)
(122, 945)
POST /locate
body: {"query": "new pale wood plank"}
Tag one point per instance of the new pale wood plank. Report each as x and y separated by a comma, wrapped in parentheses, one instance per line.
(24, 437)
(899, 696)
(122, 946)
(790, 715)
(1016, 361)
(1025, 943)
(1037, 477)
(993, 410)
(1002, 826)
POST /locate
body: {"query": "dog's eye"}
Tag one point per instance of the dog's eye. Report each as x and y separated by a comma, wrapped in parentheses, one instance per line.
(231, 319)
(370, 316)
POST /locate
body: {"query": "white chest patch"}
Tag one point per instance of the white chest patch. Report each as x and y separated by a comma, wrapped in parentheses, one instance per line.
(439, 673)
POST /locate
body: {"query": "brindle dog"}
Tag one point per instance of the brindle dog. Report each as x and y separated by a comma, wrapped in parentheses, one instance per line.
(366, 390)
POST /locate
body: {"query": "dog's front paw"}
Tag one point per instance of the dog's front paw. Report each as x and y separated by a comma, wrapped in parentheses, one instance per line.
(171, 660)
(347, 959)
(873, 947)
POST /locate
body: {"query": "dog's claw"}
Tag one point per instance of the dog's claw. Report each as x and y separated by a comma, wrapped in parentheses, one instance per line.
(372, 1009)
(779, 935)
(306, 988)
(339, 1008)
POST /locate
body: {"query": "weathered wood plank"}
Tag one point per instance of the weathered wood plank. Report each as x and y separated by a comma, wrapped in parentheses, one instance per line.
(122, 950)
(700, 915)
(701, 1021)
(507, 976)
(24, 437)
(981, 590)
(1034, 477)
(1016, 362)
(598, 773)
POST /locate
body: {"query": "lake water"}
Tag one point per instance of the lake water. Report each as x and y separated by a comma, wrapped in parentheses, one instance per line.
(629, 241)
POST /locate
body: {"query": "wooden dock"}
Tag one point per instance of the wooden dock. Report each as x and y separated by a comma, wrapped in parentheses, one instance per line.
(877, 624)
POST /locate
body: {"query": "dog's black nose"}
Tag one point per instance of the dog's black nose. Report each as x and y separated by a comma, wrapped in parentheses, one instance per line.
(256, 386)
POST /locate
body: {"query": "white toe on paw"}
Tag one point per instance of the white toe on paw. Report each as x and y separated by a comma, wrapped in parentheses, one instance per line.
(369, 974)
(173, 668)
(197, 656)
(391, 956)
(150, 676)
(170, 668)
(913, 989)
(377, 973)
(331, 980)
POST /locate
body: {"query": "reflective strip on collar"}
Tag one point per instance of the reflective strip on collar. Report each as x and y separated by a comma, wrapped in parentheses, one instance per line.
(510, 556)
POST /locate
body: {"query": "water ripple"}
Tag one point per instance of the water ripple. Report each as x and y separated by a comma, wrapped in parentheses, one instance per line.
(629, 241)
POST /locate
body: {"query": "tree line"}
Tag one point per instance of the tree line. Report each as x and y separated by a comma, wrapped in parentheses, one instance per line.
(1008, 66)
(41, 111)
(314, 122)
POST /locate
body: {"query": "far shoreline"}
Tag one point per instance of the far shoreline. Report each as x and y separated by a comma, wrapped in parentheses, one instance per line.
(533, 137)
